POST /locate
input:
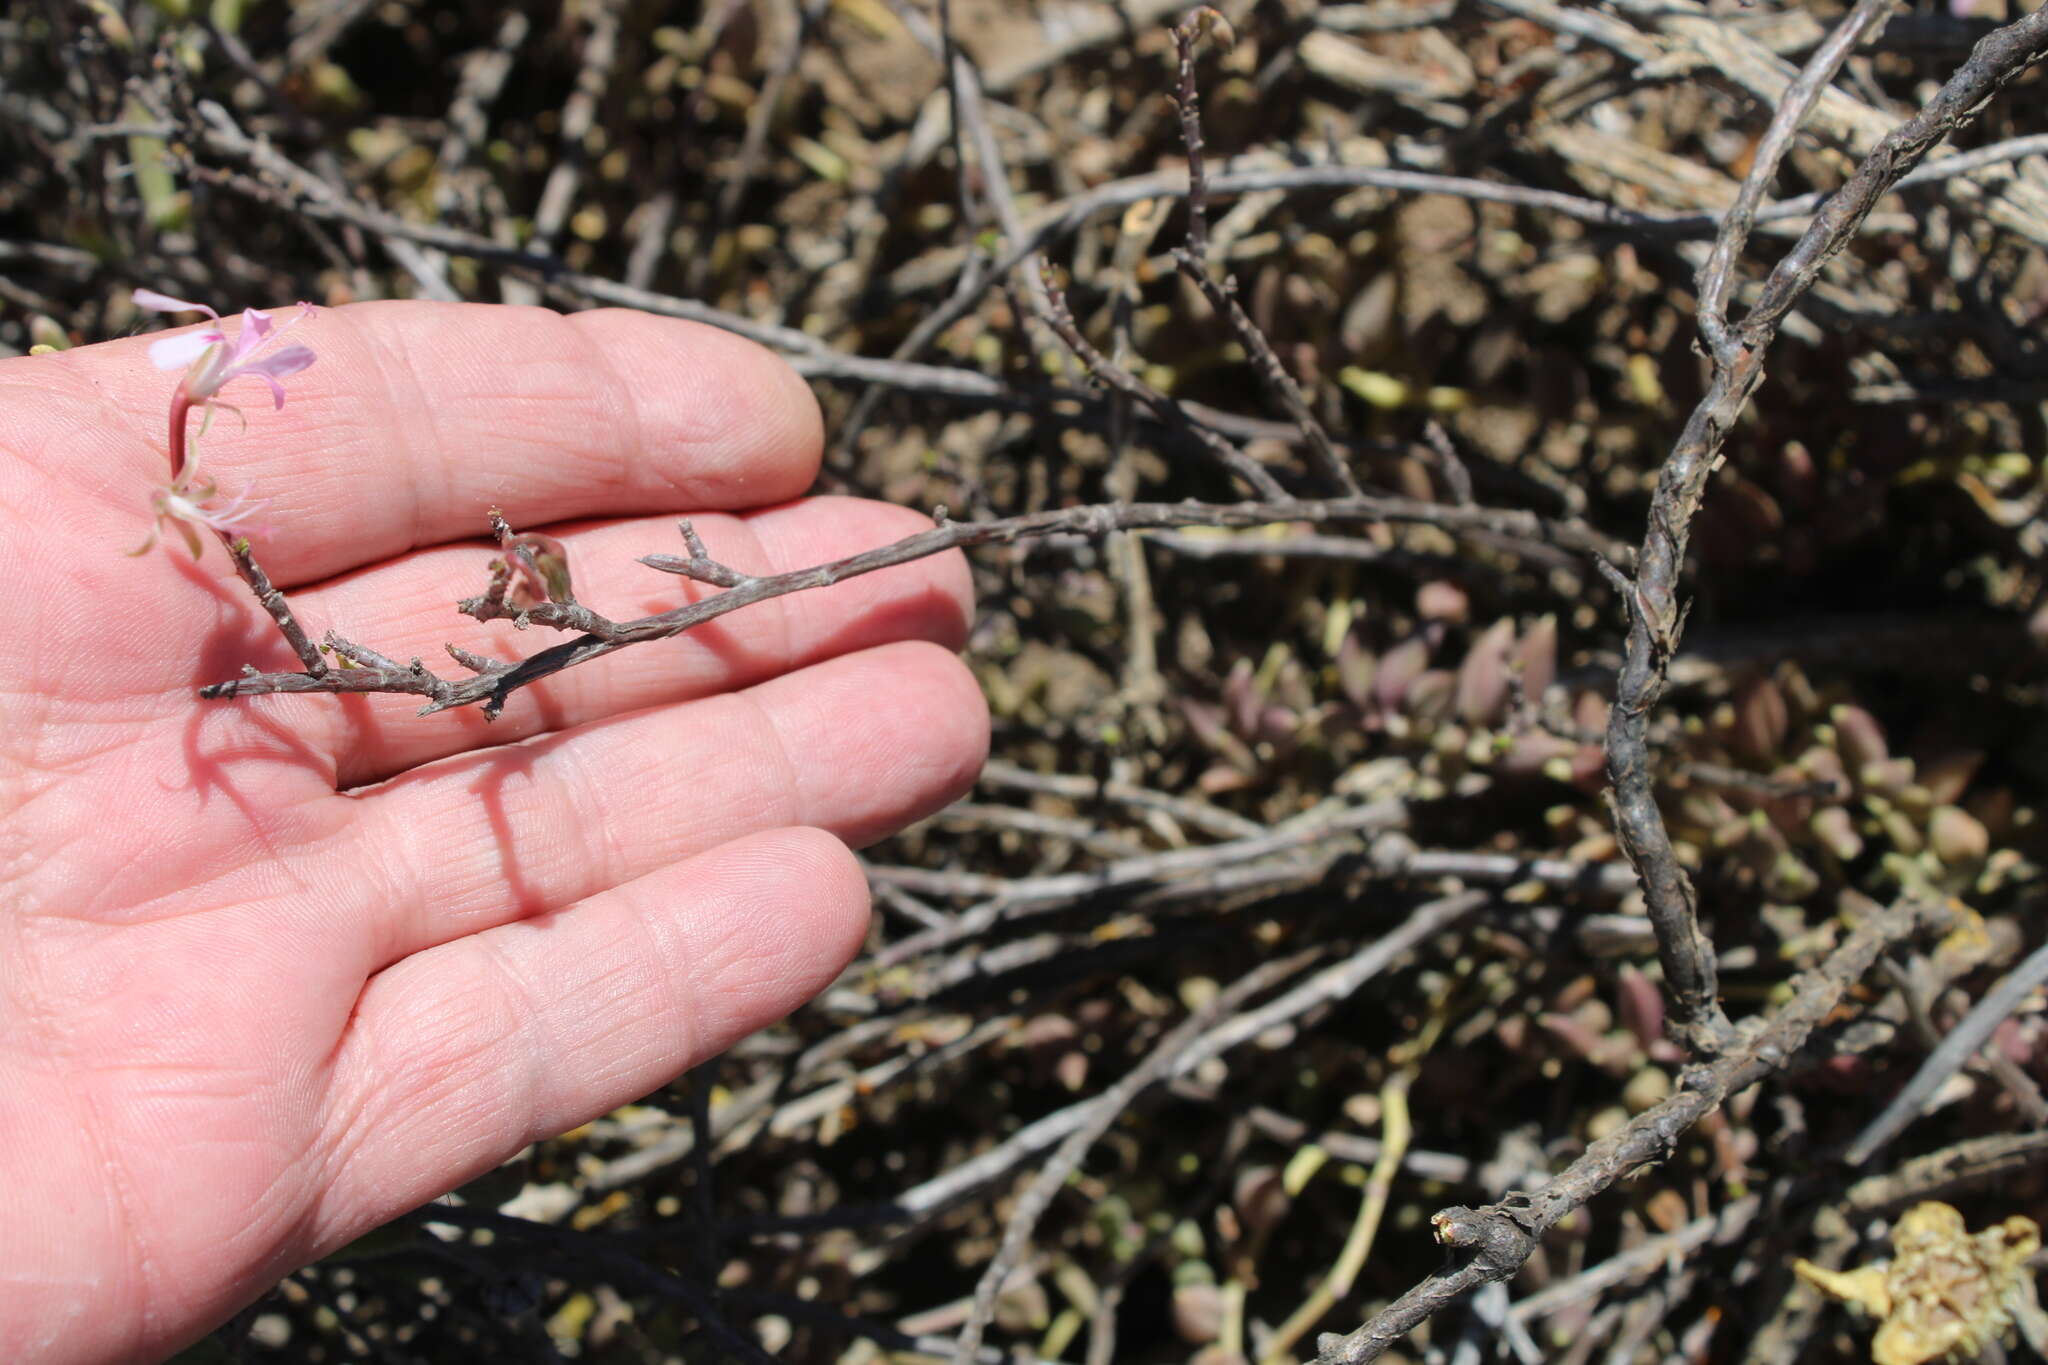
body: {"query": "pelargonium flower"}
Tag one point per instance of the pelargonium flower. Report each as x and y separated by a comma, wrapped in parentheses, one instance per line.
(210, 358)
(184, 504)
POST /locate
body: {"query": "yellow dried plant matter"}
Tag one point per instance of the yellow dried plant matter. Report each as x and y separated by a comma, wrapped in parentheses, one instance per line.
(1945, 1294)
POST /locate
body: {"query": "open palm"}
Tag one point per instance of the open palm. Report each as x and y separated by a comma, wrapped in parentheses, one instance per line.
(273, 971)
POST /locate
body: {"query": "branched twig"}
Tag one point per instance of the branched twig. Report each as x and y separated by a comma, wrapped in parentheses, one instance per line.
(271, 599)
(1049, 305)
(1175, 417)
(1656, 620)
(1994, 62)
(1502, 1236)
(599, 636)
(1719, 271)
(1137, 883)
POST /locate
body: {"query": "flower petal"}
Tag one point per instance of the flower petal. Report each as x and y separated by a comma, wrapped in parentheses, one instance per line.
(175, 353)
(279, 364)
(283, 362)
(276, 389)
(255, 330)
(186, 508)
(164, 303)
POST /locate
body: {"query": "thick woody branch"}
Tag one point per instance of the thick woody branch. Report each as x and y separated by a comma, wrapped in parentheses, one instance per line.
(1656, 618)
(1502, 1236)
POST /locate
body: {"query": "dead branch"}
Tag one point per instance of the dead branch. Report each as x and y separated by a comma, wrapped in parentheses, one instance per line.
(1500, 1237)
(598, 636)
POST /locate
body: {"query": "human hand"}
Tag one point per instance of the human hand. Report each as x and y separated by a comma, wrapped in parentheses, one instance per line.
(273, 971)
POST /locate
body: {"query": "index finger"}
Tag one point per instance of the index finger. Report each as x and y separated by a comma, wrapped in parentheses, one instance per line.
(417, 417)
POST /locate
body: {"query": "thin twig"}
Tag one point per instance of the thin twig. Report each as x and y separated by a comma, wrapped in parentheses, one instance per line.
(1372, 1205)
(1100, 1113)
(1185, 809)
(1120, 377)
(973, 272)
(600, 636)
(1960, 1044)
(1192, 260)
(1717, 274)
(578, 116)
(272, 600)
(761, 117)
(1640, 1259)
(425, 272)
(1965, 1165)
(1337, 982)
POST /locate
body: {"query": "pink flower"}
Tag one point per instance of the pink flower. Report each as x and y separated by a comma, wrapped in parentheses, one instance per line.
(210, 358)
(184, 505)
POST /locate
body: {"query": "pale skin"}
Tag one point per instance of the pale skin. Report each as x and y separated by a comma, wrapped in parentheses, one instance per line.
(273, 971)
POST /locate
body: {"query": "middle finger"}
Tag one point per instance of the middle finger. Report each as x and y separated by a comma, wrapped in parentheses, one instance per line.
(858, 746)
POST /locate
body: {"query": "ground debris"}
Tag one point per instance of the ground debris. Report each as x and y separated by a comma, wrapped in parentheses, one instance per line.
(1945, 1294)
